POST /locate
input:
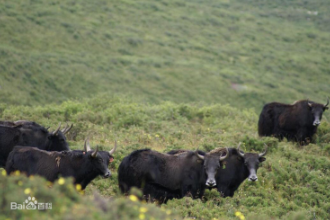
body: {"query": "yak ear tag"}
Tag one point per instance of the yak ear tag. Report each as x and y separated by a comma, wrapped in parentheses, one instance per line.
(224, 165)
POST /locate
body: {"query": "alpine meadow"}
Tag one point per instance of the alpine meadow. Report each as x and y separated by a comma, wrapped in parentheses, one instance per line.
(168, 75)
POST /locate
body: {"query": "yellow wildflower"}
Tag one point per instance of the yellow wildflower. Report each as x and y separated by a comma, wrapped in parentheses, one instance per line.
(17, 173)
(61, 181)
(78, 187)
(133, 198)
(27, 191)
(143, 209)
(4, 173)
(239, 215)
(141, 216)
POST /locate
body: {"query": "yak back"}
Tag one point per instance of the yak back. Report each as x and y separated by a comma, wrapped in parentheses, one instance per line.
(297, 114)
(27, 133)
(179, 151)
(158, 169)
(269, 116)
(32, 161)
(76, 163)
(282, 120)
(33, 134)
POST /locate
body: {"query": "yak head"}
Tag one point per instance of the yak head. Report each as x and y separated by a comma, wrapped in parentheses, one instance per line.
(317, 111)
(252, 161)
(100, 159)
(57, 140)
(212, 162)
(33, 134)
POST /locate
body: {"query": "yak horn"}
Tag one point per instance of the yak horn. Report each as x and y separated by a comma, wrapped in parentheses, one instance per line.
(86, 145)
(263, 153)
(199, 156)
(327, 103)
(67, 129)
(238, 150)
(114, 149)
(94, 154)
(309, 104)
(66, 126)
(224, 157)
(56, 131)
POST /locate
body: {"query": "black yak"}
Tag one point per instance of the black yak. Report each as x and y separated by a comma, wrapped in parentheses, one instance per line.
(83, 166)
(163, 176)
(296, 122)
(237, 167)
(28, 133)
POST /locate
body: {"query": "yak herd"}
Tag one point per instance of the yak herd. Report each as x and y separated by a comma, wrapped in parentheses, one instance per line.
(32, 149)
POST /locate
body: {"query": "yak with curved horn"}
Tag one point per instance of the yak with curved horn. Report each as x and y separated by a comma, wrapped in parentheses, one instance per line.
(106, 155)
(29, 133)
(238, 166)
(296, 122)
(163, 176)
(212, 161)
(83, 166)
(251, 161)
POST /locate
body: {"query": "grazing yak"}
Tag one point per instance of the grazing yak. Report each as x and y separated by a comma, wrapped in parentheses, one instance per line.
(296, 122)
(27, 133)
(238, 166)
(163, 176)
(83, 166)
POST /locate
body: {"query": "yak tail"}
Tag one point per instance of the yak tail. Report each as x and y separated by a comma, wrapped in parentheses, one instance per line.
(266, 121)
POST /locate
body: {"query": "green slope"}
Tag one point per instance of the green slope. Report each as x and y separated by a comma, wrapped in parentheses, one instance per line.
(216, 62)
(293, 181)
(244, 53)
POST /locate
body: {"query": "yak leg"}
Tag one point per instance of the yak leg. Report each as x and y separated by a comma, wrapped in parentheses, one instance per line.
(225, 191)
(302, 137)
(185, 190)
(201, 192)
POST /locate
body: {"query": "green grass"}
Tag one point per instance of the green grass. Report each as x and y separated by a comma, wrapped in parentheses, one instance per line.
(180, 51)
(292, 181)
(169, 75)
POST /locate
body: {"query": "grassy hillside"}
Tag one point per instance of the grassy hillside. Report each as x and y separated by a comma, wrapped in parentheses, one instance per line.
(168, 75)
(244, 53)
(293, 181)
